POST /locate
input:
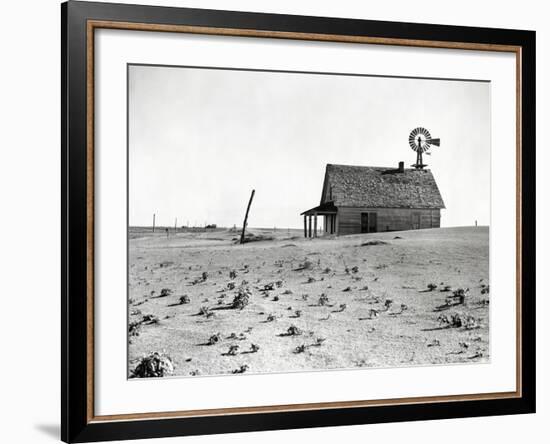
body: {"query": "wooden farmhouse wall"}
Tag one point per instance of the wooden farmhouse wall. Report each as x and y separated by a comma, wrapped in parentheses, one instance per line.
(388, 219)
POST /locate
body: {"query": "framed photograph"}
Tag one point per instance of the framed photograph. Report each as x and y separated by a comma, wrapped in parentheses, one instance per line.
(275, 221)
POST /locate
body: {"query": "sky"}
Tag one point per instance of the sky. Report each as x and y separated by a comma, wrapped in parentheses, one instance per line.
(201, 139)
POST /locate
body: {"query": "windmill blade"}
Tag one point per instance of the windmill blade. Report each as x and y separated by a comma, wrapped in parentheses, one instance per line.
(435, 142)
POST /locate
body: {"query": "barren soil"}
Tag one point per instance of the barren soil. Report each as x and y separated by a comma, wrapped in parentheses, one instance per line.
(354, 327)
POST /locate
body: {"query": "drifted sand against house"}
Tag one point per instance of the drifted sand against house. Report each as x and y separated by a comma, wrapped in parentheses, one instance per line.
(364, 199)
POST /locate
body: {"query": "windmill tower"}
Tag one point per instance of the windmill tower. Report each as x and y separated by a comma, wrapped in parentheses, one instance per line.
(420, 141)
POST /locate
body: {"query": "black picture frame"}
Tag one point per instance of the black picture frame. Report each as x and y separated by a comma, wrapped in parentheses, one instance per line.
(76, 423)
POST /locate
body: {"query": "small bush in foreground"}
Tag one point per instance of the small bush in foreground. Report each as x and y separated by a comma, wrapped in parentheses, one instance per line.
(156, 365)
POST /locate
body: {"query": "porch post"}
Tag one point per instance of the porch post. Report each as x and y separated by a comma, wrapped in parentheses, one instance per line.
(309, 234)
(305, 225)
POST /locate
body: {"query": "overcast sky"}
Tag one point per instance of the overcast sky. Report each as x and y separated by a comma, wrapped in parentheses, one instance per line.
(201, 139)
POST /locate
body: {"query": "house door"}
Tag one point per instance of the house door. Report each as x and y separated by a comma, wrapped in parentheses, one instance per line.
(373, 222)
(415, 221)
(369, 223)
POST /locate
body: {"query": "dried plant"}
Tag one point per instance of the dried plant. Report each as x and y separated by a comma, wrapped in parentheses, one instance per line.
(154, 365)
(150, 319)
(214, 339)
(134, 328)
(323, 299)
(205, 311)
(241, 299)
(293, 331)
(233, 349)
(184, 299)
(341, 308)
(241, 369)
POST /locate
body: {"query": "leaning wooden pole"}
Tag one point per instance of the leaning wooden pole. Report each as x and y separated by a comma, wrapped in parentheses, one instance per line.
(154, 222)
(246, 215)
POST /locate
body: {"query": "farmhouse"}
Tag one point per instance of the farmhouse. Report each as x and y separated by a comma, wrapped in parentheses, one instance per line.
(363, 199)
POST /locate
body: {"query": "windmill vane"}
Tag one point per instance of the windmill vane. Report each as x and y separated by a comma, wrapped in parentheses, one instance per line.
(421, 141)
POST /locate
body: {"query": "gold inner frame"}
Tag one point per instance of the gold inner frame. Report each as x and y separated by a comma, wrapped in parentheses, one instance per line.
(92, 25)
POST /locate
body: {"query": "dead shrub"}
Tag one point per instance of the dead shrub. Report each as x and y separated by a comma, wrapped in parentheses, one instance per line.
(233, 349)
(214, 339)
(293, 331)
(341, 308)
(205, 311)
(323, 300)
(134, 328)
(241, 369)
(458, 320)
(155, 365)
(306, 265)
(150, 319)
(241, 299)
(184, 299)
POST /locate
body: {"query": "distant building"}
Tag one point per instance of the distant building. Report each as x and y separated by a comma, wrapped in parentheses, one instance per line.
(362, 199)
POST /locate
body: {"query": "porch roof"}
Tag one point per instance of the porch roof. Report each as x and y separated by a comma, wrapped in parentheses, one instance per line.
(324, 208)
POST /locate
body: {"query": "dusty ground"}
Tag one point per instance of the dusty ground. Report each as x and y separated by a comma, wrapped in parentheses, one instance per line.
(361, 333)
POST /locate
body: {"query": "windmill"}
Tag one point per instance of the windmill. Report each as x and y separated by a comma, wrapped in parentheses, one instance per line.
(420, 141)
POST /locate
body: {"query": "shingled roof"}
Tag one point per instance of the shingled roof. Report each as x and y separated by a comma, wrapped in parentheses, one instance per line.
(380, 187)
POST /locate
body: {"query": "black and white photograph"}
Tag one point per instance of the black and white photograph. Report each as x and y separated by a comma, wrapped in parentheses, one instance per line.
(232, 221)
(305, 221)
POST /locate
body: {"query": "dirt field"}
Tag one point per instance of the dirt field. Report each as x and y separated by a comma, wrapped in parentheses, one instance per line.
(325, 303)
